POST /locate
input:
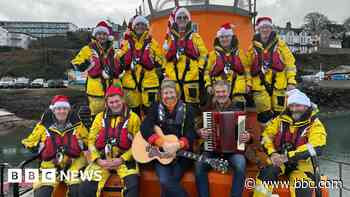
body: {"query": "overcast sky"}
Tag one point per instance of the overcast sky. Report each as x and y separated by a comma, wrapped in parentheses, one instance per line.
(88, 12)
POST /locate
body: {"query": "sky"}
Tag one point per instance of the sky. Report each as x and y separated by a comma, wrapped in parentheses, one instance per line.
(85, 13)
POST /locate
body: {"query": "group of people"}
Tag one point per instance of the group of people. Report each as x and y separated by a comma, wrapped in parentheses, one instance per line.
(142, 87)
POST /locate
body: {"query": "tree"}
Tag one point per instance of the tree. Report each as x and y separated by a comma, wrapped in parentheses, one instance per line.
(315, 22)
(347, 24)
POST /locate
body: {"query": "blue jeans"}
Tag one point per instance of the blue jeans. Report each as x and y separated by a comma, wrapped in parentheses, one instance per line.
(170, 178)
(237, 162)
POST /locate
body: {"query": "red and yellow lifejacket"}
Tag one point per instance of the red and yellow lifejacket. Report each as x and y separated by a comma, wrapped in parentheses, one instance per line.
(230, 62)
(139, 56)
(180, 45)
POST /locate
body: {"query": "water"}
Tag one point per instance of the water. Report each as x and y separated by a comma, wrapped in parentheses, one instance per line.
(11, 150)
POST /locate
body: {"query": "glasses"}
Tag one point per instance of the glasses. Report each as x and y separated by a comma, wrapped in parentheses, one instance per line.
(182, 18)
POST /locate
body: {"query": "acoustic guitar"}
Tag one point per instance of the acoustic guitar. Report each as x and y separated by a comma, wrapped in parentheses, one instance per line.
(143, 152)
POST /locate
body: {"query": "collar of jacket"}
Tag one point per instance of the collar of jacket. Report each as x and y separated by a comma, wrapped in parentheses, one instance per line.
(304, 120)
(142, 38)
(49, 121)
(174, 31)
(101, 49)
(273, 39)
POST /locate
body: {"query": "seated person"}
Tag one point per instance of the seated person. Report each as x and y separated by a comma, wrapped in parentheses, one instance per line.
(60, 139)
(289, 140)
(221, 102)
(109, 142)
(171, 116)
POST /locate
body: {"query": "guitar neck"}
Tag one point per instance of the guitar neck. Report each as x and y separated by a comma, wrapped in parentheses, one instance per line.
(191, 155)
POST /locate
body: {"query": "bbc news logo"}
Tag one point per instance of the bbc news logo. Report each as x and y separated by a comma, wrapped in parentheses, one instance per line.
(32, 175)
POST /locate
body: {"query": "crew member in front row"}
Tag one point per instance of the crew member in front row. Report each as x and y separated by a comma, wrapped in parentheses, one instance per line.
(272, 70)
(290, 140)
(103, 69)
(227, 62)
(60, 139)
(109, 143)
(142, 59)
(172, 116)
(222, 102)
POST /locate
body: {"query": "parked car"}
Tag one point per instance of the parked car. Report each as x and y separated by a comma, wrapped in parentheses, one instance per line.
(37, 83)
(7, 82)
(22, 82)
(55, 84)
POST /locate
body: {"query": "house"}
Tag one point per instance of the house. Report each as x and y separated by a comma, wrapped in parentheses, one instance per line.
(297, 39)
(17, 40)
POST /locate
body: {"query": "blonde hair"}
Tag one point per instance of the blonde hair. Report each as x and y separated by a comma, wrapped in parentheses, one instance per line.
(169, 84)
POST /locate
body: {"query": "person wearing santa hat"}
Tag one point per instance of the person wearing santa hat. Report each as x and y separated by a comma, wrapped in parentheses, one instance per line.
(98, 60)
(291, 139)
(142, 60)
(272, 70)
(110, 139)
(49, 139)
(227, 62)
(186, 55)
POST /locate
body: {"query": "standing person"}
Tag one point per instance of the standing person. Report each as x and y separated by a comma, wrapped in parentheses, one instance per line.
(98, 60)
(142, 59)
(60, 139)
(291, 140)
(172, 116)
(221, 102)
(109, 142)
(228, 62)
(272, 69)
(186, 56)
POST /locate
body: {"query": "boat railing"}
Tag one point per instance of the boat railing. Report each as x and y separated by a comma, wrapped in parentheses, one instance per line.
(340, 165)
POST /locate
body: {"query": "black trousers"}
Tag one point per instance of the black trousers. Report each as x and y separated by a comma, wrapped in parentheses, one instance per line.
(89, 188)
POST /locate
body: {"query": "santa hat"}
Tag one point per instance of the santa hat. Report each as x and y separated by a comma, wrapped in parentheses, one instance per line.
(182, 11)
(59, 101)
(225, 30)
(103, 26)
(263, 21)
(139, 19)
(298, 97)
(114, 90)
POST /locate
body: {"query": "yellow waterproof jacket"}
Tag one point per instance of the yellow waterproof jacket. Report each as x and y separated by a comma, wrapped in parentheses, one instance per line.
(195, 66)
(314, 132)
(95, 86)
(146, 79)
(123, 170)
(287, 76)
(38, 138)
(241, 80)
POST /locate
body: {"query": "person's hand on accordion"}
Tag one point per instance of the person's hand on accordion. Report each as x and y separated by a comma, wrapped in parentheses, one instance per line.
(244, 137)
(203, 133)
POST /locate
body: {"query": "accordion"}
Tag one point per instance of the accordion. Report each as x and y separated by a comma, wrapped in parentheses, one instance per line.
(224, 129)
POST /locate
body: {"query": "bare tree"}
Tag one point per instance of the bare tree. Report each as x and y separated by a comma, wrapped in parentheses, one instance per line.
(315, 22)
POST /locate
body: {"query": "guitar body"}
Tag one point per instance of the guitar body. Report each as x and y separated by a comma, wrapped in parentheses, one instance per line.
(141, 153)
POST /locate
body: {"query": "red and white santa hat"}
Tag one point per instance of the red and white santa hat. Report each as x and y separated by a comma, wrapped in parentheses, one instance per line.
(103, 26)
(140, 19)
(225, 30)
(182, 10)
(263, 22)
(59, 101)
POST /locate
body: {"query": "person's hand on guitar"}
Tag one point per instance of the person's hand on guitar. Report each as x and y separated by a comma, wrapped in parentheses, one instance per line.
(278, 159)
(203, 133)
(171, 147)
(117, 162)
(244, 137)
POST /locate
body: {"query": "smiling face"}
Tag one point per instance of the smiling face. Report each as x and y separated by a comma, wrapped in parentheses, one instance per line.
(182, 21)
(297, 110)
(115, 103)
(101, 37)
(169, 96)
(221, 94)
(61, 113)
(140, 28)
(265, 32)
(225, 41)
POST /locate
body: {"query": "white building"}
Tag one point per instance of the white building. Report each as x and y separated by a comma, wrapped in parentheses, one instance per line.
(18, 40)
(297, 39)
